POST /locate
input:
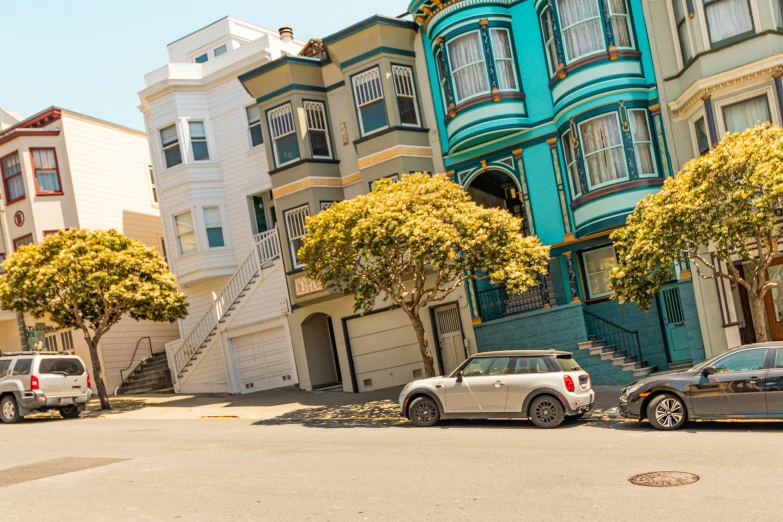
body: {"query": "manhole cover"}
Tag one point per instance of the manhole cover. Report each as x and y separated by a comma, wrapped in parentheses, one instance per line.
(663, 479)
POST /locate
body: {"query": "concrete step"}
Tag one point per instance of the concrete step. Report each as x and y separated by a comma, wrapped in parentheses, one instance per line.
(586, 345)
(147, 378)
(602, 348)
(619, 361)
(644, 371)
(628, 366)
(151, 392)
(607, 355)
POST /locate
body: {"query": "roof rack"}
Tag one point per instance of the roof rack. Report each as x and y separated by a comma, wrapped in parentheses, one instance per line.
(8, 354)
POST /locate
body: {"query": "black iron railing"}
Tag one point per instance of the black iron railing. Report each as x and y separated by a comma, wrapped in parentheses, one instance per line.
(623, 339)
(495, 303)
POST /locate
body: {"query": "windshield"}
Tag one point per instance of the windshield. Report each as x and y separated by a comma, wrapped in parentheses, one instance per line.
(567, 363)
(61, 365)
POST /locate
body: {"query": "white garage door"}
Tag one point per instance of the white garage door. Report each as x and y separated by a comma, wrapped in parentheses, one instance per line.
(385, 350)
(264, 360)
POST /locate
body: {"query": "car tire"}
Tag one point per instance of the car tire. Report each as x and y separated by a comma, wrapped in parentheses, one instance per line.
(667, 412)
(70, 412)
(423, 412)
(9, 410)
(547, 412)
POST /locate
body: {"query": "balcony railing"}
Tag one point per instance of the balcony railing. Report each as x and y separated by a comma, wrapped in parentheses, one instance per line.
(495, 303)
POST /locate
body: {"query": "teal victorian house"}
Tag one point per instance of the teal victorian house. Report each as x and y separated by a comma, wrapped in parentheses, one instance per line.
(550, 110)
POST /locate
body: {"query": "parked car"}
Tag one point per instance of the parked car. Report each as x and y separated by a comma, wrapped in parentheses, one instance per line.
(743, 383)
(544, 385)
(40, 381)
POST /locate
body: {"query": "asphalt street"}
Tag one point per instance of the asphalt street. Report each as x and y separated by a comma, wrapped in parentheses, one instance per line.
(301, 469)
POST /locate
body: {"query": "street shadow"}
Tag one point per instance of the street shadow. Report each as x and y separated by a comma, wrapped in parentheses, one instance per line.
(721, 426)
(93, 410)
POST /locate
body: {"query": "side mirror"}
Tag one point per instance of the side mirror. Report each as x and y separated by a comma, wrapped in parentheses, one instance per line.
(459, 376)
(709, 370)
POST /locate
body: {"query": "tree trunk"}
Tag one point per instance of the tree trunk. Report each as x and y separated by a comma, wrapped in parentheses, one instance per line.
(97, 372)
(21, 327)
(426, 355)
(759, 313)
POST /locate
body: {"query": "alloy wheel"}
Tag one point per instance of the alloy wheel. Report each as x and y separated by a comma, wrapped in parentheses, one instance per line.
(669, 413)
(9, 411)
(424, 412)
(546, 411)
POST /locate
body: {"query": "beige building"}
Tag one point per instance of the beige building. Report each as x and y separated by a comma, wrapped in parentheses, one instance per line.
(719, 65)
(63, 170)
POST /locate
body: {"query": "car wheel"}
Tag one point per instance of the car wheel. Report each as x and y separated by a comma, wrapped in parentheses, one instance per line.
(547, 412)
(70, 412)
(9, 410)
(666, 412)
(423, 412)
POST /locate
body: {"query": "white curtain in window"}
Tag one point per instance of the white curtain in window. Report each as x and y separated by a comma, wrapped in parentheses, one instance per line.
(727, 18)
(504, 59)
(581, 26)
(185, 233)
(467, 66)
(603, 149)
(46, 170)
(740, 116)
(642, 143)
(620, 23)
(598, 266)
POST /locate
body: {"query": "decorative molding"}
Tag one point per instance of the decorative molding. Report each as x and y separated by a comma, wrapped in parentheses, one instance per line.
(306, 285)
(316, 181)
(394, 152)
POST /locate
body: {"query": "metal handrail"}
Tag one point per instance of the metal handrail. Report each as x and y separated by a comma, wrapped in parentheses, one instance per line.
(266, 248)
(149, 339)
(622, 338)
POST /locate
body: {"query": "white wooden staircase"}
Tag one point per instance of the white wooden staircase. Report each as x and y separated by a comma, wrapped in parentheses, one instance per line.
(184, 355)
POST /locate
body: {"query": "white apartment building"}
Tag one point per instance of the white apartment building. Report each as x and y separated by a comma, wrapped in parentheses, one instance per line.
(63, 170)
(210, 166)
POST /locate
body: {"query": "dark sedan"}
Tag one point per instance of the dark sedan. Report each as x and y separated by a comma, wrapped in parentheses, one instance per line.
(743, 383)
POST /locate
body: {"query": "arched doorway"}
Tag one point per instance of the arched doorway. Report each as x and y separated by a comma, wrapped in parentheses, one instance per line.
(322, 362)
(497, 189)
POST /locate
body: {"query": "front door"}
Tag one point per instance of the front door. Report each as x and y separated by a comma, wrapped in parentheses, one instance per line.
(674, 324)
(452, 348)
(737, 387)
(774, 385)
(774, 301)
(259, 212)
(482, 390)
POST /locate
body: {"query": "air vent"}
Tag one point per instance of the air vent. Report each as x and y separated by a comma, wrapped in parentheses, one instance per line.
(286, 377)
(417, 374)
(368, 383)
(250, 385)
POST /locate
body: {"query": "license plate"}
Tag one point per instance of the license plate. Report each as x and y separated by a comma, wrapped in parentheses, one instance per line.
(66, 401)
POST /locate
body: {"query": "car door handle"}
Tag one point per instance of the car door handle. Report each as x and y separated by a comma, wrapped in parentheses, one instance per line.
(439, 386)
(499, 384)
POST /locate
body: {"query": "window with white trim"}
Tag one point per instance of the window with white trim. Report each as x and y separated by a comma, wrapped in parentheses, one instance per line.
(602, 147)
(368, 93)
(571, 166)
(702, 139)
(169, 141)
(394, 177)
(468, 67)
(153, 186)
(727, 19)
(13, 180)
(441, 64)
(598, 265)
(317, 129)
(325, 205)
(621, 24)
(202, 58)
(254, 125)
(642, 143)
(504, 59)
(198, 140)
(682, 31)
(295, 220)
(285, 144)
(405, 89)
(550, 47)
(778, 7)
(223, 49)
(747, 113)
(580, 28)
(186, 234)
(214, 227)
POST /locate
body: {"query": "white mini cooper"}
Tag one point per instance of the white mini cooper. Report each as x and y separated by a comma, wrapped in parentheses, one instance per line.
(545, 386)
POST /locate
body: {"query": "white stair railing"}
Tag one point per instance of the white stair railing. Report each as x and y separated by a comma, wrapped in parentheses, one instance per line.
(266, 248)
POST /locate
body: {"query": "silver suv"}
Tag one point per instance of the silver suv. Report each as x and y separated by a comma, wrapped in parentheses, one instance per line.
(40, 381)
(542, 385)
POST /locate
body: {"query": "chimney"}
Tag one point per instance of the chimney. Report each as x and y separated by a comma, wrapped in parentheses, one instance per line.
(286, 34)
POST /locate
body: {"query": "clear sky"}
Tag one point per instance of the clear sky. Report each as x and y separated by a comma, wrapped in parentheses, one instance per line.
(90, 56)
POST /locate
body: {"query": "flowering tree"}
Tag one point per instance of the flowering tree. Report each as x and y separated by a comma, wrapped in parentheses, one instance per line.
(720, 209)
(414, 242)
(89, 280)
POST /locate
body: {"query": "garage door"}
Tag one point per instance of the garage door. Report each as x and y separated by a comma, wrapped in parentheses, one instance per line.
(264, 360)
(385, 350)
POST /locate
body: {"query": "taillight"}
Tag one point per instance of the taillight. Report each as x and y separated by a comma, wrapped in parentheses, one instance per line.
(34, 383)
(589, 381)
(569, 383)
(89, 382)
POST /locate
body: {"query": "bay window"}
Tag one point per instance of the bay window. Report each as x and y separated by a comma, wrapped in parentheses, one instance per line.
(571, 166)
(621, 24)
(727, 19)
(468, 67)
(368, 94)
(444, 87)
(602, 145)
(581, 29)
(682, 31)
(642, 143)
(504, 59)
(186, 234)
(254, 125)
(598, 264)
(47, 175)
(169, 141)
(13, 181)
(745, 114)
(285, 144)
(198, 140)
(405, 89)
(550, 47)
(315, 115)
(295, 226)
(702, 140)
(214, 227)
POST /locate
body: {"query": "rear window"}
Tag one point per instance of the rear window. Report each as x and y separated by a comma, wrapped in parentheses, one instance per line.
(567, 363)
(62, 365)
